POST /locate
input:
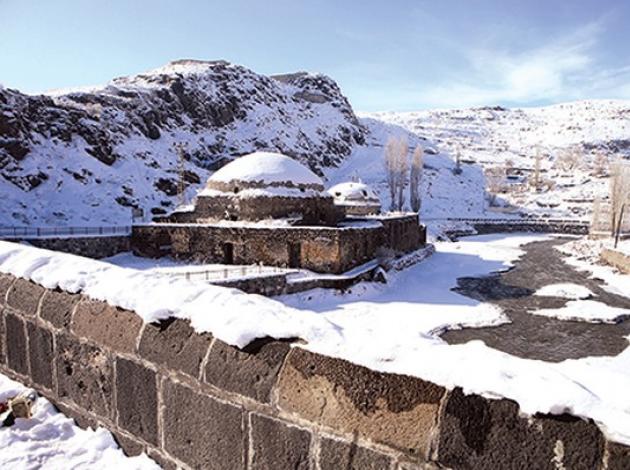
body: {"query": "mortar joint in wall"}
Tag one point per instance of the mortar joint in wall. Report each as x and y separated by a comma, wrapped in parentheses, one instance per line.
(6, 294)
(205, 360)
(250, 440)
(434, 441)
(314, 451)
(139, 338)
(160, 409)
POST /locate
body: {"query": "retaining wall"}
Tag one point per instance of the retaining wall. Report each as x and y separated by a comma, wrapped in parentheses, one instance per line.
(617, 259)
(190, 400)
(543, 227)
(95, 247)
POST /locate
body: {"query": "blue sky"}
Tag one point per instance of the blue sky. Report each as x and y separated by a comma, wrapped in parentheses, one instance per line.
(386, 55)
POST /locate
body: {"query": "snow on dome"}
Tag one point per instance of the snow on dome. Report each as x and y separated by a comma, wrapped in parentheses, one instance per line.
(267, 167)
(353, 192)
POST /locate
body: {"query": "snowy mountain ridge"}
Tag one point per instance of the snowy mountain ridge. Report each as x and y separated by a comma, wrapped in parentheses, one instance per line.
(501, 137)
(64, 157)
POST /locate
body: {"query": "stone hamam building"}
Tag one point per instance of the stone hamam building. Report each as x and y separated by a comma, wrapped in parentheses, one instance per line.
(266, 208)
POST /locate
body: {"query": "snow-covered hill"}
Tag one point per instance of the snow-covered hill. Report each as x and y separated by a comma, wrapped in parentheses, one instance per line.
(495, 136)
(89, 156)
(445, 191)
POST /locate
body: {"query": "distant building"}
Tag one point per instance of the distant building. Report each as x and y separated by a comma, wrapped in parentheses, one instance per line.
(268, 208)
(355, 198)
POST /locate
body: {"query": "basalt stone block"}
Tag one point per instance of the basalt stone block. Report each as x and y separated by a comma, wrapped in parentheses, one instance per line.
(84, 375)
(136, 400)
(164, 462)
(130, 446)
(3, 339)
(174, 344)
(617, 456)
(334, 454)
(24, 297)
(576, 443)
(17, 354)
(6, 280)
(395, 410)
(57, 307)
(201, 431)
(81, 419)
(107, 325)
(479, 433)
(252, 371)
(40, 347)
(278, 445)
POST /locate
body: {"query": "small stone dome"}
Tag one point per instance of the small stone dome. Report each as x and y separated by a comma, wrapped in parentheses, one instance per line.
(356, 197)
(264, 170)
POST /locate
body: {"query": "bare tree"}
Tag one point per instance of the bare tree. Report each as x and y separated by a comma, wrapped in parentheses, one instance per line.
(600, 164)
(619, 196)
(397, 169)
(458, 161)
(569, 159)
(596, 215)
(537, 163)
(495, 179)
(391, 147)
(415, 179)
(403, 171)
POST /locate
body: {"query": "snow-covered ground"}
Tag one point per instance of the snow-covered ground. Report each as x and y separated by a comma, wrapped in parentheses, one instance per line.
(584, 255)
(499, 138)
(586, 310)
(391, 328)
(565, 290)
(50, 440)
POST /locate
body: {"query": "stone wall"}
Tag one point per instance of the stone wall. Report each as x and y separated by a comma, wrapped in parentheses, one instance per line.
(91, 247)
(527, 226)
(321, 249)
(192, 401)
(313, 210)
(617, 259)
(269, 284)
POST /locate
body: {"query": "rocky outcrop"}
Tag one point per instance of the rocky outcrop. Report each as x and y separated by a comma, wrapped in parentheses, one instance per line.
(124, 132)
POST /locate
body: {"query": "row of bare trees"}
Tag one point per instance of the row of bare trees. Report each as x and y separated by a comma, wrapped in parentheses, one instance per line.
(401, 172)
(619, 196)
(613, 215)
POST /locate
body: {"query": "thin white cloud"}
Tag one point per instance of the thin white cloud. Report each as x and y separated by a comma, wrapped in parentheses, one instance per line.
(559, 70)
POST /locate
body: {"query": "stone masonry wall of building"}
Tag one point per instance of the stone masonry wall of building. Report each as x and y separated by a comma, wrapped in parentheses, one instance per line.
(321, 249)
(312, 210)
(191, 401)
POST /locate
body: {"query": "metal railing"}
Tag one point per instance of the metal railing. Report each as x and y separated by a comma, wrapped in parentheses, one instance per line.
(523, 221)
(229, 273)
(46, 232)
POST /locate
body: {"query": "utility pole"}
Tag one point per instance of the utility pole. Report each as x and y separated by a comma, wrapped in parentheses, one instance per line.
(180, 148)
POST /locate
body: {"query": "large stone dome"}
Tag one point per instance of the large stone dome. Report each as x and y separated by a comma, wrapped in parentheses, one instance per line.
(264, 170)
(266, 185)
